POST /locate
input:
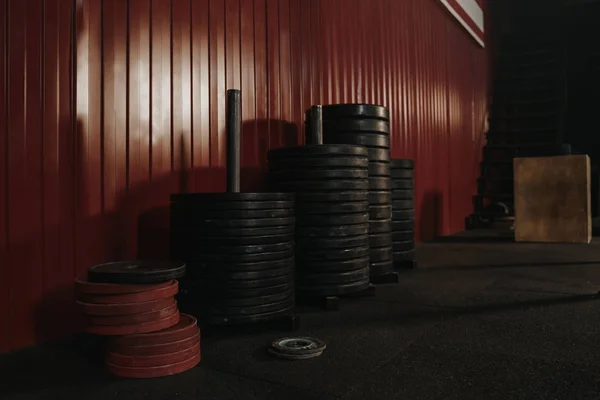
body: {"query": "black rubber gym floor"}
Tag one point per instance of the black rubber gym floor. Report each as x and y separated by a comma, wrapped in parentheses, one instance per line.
(483, 318)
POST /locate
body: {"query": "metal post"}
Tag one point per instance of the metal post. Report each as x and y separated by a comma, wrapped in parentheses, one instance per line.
(233, 128)
(315, 135)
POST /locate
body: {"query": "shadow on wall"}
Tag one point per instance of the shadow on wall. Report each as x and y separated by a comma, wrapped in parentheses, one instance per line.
(431, 216)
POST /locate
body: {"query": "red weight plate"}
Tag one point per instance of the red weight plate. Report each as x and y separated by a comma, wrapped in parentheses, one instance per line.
(130, 319)
(152, 361)
(156, 349)
(145, 327)
(148, 295)
(154, 372)
(127, 308)
(185, 328)
(83, 286)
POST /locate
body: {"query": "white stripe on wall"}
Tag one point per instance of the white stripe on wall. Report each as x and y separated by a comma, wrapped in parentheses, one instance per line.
(473, 10)
(463, 22)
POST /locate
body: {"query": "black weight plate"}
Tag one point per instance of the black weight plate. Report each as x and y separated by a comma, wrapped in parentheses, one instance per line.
(243, 284)
(398, 226)
(318, 150)
(325, 186)
(379, 169)
(380, 226)
(361, 111)
(404, 255)
(382, 197)
(338, 197)
(200, 258)
(310, 244)
(402, 173)
(404, 246)
(403, 236)
(380, 212)
(380, 240)
(319, 163)
(249, 302)
(403, 215)
(294, 175)
(403, 204)
(313, 266)
(204, 231)
(379, 255)
(245, 293)
(244, 223)
(136, 272)
(239, 241)
(204, 268)
(247, 319)
(381, 268)
(381, 155)
(180, 213)
(333, 290)
(354, 125)
(230, 197)
(372, 140)
(402, 163)
(297, 348)
(234, 205)
(333, 278)
(332, 208)
(403, 194)
(333, 219)
(331, 231)
(265, 308)
(333, 254)
(378, 184)
(402, 184)
(212, 248)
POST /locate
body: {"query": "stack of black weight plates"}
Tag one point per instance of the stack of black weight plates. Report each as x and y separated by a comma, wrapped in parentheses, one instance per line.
(403, 215)
(332, 214)
(368, 125)
(239, 250)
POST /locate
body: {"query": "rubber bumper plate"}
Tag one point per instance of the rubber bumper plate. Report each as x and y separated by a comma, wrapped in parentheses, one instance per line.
(184, 329)
(136, 272)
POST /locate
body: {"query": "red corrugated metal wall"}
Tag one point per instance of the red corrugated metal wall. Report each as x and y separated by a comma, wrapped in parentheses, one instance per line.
(108, 106)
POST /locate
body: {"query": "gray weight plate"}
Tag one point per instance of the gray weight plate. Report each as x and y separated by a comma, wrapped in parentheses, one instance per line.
(402, 236)
(210, 231)
(303, 199)
(319, 163)
(380, 197)
(378, 184)
(371, 140)
(380, 226)
(402, 184)
(354, 125)
(265, 308)
(379, 169)
(221, 301)
(332, 208)
(404, 246)
(332, 265)
(233, 205)
(245, 293)
(402, 173)
(380, 212)
(333, 290)
(380, 155)
(404, 255)
(403, 204)
(332, 278)
(380, 240)
(294, 175)
(324, 186)
(403, 194)
(178, 214)
(359, 111)
(338, 231)
(311, 150)
(244, 223)
(243, 284)
(379, 255)
(333, 254)
(201, 258)
(398, 226)
(402, 163)
(381, 268)
(310, 244)
(333, 219)
(403, 215)
(230, 197)
(212, 248)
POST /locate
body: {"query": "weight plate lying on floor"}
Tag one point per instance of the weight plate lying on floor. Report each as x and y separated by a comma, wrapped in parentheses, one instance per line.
(331, 255)
(149, 295)
(403, 204)
(380, 240)
(384, 198)
(331, 231)
(381, 155)
(83, 286)
(334, 290)
(402, 194)
(335, 219)
(380, 212)
(359, 111)
(354, 125)
(380, 254)
(319, 163)
(324, 186)
(400, 163)
(129, 319)
(310, 150)
(379, 169)
(404, 255)
(334, 197)
(185, 328)
(404, 246)
(154, 360)
(403, 215)
(136, 272)
(332, 265)
(402, 184)
(402, 173)
(310, 244)
(125, 308)
(297, 348)
(154, 372)
(380, 184)
(227, 199)
(382, 226)
(143, 327)
(403, 225)
(157, 349)
(360, 139)
(319, 279)
(381, 268)
(300, 175)
(332, 208)
(402, 236)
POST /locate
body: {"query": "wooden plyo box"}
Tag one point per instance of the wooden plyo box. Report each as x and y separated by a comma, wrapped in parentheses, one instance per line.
(552, 199)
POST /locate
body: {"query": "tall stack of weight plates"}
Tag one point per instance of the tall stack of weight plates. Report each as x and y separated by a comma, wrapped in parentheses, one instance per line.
(239, 249)
(403, 214)
(368, 125)
(332, 214)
